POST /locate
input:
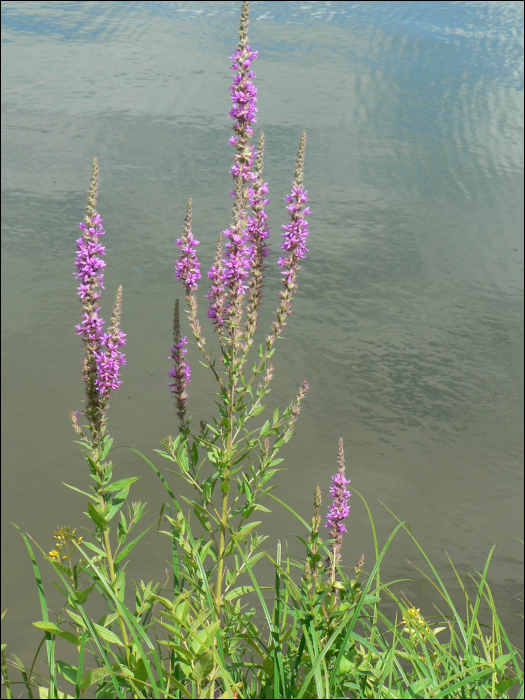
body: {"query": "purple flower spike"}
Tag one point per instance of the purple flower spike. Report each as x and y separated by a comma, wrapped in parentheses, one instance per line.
(109, 358)
(237, 263)
(103, 359)
(187, 266)
(233, 270)
(295, 235)
(181, 371)
(243, 112)
(216, 308)
(89, 274)
(338, 512)
(296, 232)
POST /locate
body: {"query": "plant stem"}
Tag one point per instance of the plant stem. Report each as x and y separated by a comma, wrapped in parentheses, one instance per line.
(109, 557)
(226, 473)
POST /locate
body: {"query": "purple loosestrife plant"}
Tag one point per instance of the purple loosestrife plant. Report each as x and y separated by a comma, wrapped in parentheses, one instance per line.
(338, 513)
(101, 373)
(103, 359)
(234, 302)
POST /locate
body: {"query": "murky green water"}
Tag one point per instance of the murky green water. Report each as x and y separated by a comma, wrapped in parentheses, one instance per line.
(409, 320)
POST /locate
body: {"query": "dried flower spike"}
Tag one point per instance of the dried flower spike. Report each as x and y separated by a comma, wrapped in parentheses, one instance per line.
(181, 371)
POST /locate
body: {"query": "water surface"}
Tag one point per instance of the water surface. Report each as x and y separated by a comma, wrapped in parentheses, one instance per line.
(409, 320)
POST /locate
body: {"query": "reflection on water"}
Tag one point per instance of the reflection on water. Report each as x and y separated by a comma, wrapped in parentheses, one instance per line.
(408, 324)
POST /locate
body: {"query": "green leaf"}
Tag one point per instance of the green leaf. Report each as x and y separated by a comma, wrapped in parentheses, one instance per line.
(345, 666)
(183, 654)
(236, 592)
(106, 448)
(107, 635)
(118, 502)
(240, 534)
(84, 493)
(107, 619)
(119, 585)
(54, 629)
(79, 621)
(118, 485)
(94, 548)
(225, 487)
(127, 549)
(203, 553)
(502, 660)
(69, 672)
(60, 588)
(93, 676)
(265, 429)
(504, 685)
(164, 454)
(80, 597)
(202, 668)
(371, 598)
(268, 475)
(204, 638)
(43, 694)
(96, 517)
(47, 627)
(420, 685)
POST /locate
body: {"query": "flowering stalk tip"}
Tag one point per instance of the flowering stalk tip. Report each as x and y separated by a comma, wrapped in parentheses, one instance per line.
(230, 273)
(187, 266)
(338, 512)
(109, 358)
(294, 243)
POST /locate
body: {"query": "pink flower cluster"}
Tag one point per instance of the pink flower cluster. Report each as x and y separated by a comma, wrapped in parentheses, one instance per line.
(87, 264)
(340, 509)
(109, 361)
(243, 112)
(187, 266)
(237, 262)
(296, 232)
(103, 346)
(257, 229)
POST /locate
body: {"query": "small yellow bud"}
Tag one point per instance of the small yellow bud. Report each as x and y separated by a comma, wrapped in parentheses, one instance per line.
(64, 558)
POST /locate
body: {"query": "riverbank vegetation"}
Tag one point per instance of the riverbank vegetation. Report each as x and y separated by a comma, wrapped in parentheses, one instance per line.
(212, 630)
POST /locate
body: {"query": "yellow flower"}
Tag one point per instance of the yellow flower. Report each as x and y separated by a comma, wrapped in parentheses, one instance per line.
(53, 554)
(414, 615)
(64, 558)
(415, 618)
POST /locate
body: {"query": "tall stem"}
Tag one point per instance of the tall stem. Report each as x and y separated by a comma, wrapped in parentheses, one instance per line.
(224, 510)
(111, 564)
